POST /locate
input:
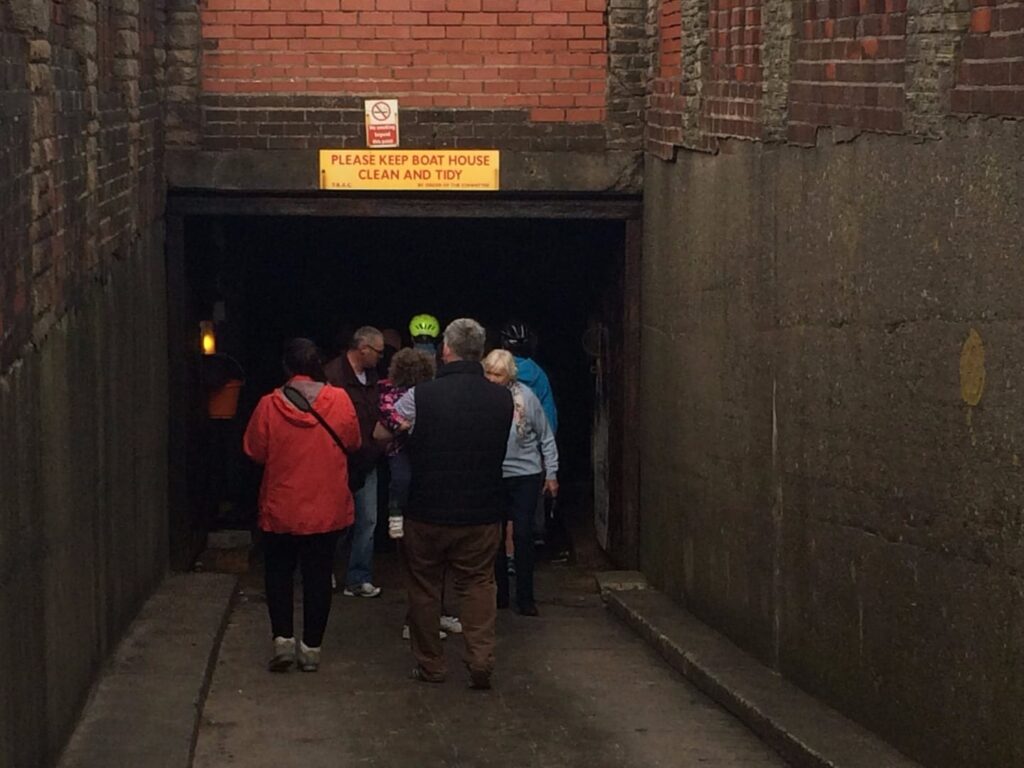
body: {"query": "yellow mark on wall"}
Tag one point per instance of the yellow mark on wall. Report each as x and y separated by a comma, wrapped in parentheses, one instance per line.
(972, 369)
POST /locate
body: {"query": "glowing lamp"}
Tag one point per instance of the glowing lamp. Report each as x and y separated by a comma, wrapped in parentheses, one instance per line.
(209, 341)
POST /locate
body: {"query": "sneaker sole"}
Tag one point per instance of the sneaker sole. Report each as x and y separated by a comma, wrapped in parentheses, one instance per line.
(422, 677)
(479, 682)
(280, 665)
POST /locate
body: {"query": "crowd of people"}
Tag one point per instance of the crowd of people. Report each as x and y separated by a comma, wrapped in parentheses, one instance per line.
(469, 445)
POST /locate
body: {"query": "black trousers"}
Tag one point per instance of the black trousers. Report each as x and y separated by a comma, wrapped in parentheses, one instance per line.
(314, 555)
(521, 495)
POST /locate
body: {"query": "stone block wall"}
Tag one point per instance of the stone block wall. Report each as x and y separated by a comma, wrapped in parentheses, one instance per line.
(834, 222)
(83, 505)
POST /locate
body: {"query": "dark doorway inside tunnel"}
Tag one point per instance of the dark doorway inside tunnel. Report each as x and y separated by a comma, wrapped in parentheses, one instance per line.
(262, 279)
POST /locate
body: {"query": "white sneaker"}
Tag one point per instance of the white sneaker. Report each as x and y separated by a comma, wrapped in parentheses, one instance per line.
(284, 654)
(451, 624)
(309, 658)
(405, 633)
(366, 589)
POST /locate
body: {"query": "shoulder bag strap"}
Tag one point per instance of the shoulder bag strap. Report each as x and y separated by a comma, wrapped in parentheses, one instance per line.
(299, 400)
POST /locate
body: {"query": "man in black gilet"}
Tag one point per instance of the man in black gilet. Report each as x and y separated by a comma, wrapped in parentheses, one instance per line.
(460, 424)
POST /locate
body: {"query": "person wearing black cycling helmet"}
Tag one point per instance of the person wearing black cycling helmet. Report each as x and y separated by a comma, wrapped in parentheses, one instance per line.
(518, 339)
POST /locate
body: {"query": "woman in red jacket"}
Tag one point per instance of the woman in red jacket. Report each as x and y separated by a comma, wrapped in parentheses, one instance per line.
(304, 501)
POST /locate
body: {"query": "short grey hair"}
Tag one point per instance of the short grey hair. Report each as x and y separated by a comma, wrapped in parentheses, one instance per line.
(364, 335)
(465, 338)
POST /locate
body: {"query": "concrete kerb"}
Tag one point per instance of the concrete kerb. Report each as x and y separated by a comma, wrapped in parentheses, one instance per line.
(211, 664)
(804, 731)
(145, 708)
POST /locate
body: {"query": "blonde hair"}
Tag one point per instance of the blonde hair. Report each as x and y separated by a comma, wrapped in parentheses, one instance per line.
(500, 361)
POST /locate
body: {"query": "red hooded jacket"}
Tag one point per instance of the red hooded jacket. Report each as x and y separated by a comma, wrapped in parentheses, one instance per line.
(305, 479)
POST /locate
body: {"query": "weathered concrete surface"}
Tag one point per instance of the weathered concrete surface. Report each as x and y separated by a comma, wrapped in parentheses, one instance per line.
(296, 170)
(619, 581)
(573, 688)
(815, 482)
(806, 732)
(83, 510)
(145, 708)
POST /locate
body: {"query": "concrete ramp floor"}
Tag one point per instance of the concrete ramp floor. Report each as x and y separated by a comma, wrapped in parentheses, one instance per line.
(574, 688)
(145, 707)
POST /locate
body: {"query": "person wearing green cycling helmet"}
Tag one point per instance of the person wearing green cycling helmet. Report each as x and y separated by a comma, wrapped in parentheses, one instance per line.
(424, 330)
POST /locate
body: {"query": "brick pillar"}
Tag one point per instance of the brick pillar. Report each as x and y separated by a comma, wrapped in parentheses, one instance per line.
(126, 73)
(182, 73)
(628, 63)
(696, 59)
(82, 15)
(33, 20)
(935, 29)
(776, 59)
(15, 187)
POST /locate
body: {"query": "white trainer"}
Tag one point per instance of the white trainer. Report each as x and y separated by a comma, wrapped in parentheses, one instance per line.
(366, 589)
(284, 654)
(309, 658)
(451, 624)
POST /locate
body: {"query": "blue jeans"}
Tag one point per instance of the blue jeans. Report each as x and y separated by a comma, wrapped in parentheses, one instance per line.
(360, 561)
(401, 476)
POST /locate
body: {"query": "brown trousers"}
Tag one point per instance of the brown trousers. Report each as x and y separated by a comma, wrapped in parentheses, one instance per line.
(468, 552)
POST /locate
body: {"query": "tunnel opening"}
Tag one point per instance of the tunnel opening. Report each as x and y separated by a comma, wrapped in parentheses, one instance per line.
(260, 280)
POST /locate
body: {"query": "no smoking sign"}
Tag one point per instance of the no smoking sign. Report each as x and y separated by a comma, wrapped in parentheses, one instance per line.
(381, 122)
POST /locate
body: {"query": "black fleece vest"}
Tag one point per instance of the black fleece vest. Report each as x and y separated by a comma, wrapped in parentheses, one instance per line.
(457, 447)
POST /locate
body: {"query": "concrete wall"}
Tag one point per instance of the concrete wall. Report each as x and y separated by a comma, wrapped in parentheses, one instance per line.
(83, 470)
(820, 478)
(83, 350)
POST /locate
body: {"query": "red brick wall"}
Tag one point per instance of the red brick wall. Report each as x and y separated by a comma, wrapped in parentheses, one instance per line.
(732, 106)
(990, 78)
(772, 70)
(547, 56)
(666, 101)
(850, 66)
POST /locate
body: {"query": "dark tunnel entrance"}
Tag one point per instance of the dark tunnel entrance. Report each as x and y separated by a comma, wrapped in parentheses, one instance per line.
(263, 279)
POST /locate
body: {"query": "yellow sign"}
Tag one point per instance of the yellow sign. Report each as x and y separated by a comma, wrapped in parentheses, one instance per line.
(447, 170)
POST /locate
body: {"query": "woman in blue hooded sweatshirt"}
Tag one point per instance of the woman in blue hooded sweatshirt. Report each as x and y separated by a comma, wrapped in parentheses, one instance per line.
(517, 338)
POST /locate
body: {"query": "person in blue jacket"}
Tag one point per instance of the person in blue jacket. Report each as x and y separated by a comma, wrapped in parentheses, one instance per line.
(518, 339)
